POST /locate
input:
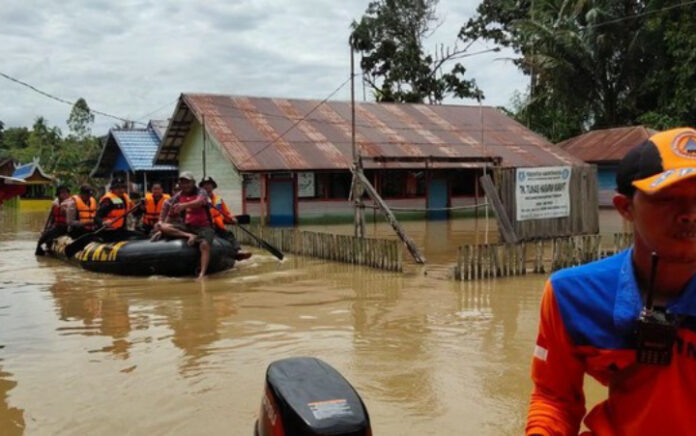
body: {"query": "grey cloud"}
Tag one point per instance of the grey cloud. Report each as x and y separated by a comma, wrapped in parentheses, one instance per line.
(133, 56)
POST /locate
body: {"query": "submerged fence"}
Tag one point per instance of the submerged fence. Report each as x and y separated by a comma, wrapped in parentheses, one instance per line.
(504, 260)
(376, 253)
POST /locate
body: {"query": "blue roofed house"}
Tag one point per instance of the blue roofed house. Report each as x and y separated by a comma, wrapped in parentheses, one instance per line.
(131, 152)
(35, 178)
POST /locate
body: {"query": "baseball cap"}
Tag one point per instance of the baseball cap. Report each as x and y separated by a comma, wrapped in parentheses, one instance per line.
(187, 175)
(664, 159)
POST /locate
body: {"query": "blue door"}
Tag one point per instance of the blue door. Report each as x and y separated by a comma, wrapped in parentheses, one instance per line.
(437, 199)
(281, 203)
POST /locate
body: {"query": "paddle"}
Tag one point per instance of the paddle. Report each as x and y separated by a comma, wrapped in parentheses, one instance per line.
(81, 242)
(244, 219)
(40, 250)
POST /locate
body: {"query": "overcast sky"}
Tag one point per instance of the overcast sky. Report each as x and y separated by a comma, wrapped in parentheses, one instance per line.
(133, 58)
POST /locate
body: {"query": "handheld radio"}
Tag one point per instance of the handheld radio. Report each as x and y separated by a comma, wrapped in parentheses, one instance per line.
(656, 329)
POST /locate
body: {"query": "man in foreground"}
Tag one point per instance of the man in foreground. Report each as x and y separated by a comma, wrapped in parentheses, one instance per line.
(196, 228)
(599, 318)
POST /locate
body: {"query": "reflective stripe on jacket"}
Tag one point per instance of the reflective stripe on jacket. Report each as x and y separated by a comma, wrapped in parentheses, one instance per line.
(587, 326)
(119, 209)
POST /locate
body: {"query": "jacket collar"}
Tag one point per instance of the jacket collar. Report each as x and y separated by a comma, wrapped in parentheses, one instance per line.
(629, 301)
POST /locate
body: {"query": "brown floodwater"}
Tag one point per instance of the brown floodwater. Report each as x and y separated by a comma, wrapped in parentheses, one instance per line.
(86, 353)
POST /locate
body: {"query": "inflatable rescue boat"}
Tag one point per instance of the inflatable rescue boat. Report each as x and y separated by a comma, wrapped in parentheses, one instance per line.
(141, 257)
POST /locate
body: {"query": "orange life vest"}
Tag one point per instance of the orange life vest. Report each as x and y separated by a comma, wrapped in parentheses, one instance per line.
(59, 219)
(85, 213)
(152, 209)
(216, 210)
(121, 206)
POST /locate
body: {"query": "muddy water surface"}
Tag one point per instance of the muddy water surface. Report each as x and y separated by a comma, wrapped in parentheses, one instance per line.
(86, 353)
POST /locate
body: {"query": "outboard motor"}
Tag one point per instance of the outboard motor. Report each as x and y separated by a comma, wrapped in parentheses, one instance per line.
(305, 396)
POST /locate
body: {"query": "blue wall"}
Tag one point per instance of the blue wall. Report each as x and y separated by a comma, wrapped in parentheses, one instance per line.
(121, 163)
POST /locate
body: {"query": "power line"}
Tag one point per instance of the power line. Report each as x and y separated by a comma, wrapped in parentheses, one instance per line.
(64, 101)
(277, 138)
(642, 14)
(158, 109)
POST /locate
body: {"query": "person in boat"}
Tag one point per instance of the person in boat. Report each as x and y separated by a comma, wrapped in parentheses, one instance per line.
(196, 228)
(56, 224)
(628, 320)
(151, 208)
(81, 211)
(112, 211)
(220, 214)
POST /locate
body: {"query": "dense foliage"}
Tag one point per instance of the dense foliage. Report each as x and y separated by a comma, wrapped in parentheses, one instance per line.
(69, 158)
(596, 63)
(390, 37)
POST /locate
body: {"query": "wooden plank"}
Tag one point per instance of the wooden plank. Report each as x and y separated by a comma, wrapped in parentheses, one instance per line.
(506, 228)
(410, 245)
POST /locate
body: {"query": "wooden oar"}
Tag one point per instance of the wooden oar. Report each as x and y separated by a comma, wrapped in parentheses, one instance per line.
(81, 242)
(39, 249)
(263, 244)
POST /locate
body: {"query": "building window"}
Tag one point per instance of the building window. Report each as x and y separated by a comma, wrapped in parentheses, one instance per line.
(333, 186)
(463, 182)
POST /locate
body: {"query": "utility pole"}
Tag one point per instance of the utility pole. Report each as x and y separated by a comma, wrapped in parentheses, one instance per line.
(358, 189)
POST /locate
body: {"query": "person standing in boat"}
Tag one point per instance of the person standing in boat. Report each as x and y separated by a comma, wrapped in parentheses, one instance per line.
(56, 224)
(152, 207)
(113, 207)
(197, 225)
(81, 211)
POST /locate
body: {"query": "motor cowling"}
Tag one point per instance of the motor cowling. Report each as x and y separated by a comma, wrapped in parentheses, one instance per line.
(305, 396)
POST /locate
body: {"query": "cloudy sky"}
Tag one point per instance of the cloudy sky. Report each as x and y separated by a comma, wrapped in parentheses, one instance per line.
(132, 58)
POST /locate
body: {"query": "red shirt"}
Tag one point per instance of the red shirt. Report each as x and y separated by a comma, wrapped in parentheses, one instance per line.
(197, 217)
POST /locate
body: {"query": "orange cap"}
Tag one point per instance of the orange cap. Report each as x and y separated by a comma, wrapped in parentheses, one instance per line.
(665, 159)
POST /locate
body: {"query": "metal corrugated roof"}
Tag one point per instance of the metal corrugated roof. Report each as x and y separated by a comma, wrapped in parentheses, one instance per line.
(139, 147)
(25, 171)
(259, 134)
(606, 145)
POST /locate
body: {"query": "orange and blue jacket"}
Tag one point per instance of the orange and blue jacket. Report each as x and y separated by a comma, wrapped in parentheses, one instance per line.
(588, 320)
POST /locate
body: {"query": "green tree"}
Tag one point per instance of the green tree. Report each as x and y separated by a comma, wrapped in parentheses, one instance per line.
(596, 63)
(390, 37)
(80, 119)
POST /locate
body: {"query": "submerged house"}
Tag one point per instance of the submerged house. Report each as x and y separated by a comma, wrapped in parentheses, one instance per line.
(37, 181)
(289, 160)
(130, 152)
(605, 148)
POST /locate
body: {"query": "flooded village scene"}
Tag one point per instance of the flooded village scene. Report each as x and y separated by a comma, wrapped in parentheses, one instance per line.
(341, 218)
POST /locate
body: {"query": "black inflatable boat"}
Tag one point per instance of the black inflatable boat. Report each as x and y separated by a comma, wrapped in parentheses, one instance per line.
(144, 258)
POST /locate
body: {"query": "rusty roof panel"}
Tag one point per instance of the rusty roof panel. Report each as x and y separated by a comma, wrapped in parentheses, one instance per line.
(607, 145)
(264, 134)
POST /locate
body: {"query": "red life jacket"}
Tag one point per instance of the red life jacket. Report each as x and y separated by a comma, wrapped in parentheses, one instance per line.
(59, 219)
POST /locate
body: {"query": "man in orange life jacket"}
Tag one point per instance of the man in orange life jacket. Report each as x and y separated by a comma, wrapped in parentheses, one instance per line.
(81, 211)
(599, 319)
(152, 207)
(56, 225)
(111, 213)
(193, 203)
(221, 215)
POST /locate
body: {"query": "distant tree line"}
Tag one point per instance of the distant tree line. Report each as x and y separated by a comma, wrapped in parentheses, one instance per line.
(69, 158)
(591, 63)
